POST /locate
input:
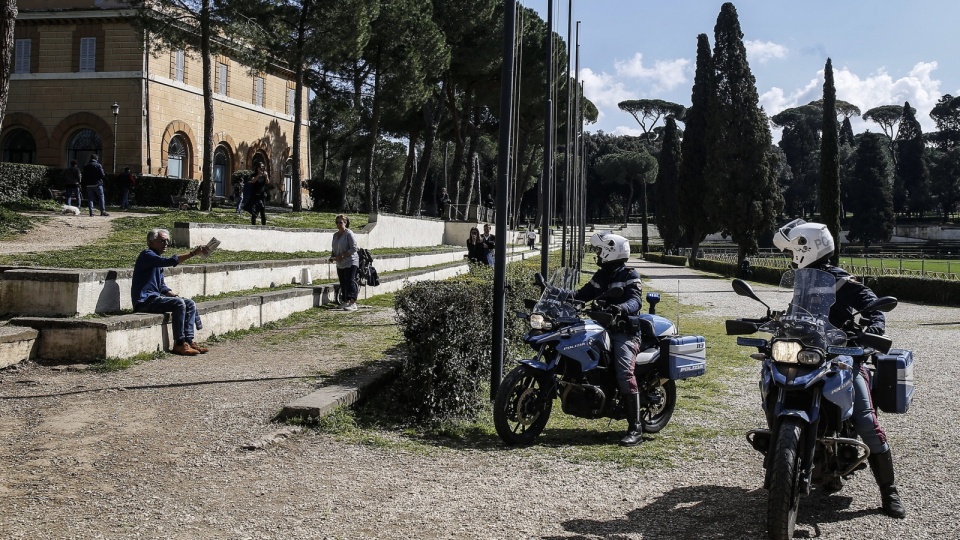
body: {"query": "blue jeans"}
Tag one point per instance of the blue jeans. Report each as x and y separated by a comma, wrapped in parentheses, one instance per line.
(95, 194)
(73, 194)
(125, 199)
(348, 282)
(183, 312)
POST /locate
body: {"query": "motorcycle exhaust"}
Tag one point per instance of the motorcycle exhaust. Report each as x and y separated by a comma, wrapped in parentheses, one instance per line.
(836, 442)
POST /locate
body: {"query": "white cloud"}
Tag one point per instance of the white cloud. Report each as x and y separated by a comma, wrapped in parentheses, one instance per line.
(764, 51)
(624, 130)
(664, 75)
(880, 88)
(604, 90)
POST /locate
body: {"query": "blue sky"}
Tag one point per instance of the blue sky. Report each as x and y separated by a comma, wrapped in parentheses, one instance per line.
(883, 51)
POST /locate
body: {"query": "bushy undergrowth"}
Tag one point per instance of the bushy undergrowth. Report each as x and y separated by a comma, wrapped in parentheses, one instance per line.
(448, 327)
(21, 181)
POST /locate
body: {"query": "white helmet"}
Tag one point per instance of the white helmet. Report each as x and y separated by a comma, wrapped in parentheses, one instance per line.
(809, 242)
(610, 247)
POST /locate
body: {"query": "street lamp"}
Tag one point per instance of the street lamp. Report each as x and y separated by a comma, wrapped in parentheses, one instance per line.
(116, 112)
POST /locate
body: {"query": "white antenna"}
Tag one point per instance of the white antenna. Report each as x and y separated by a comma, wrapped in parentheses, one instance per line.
(678, 306)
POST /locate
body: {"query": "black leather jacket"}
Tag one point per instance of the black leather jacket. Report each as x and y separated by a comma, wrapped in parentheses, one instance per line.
(611, 275)
(852, 296)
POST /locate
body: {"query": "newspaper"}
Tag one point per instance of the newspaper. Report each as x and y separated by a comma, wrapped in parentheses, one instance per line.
(212, 246)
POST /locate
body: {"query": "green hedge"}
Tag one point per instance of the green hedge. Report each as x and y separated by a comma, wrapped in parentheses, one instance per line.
(447, 329)
(676, 260)
(21, 181)
(917, 289)
(653, 257)
(155, 190)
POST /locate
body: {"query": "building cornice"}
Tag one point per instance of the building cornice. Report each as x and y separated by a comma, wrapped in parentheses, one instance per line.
(73, 15)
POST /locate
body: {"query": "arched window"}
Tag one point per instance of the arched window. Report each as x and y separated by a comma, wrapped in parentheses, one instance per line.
(82, 145)
(19, 147)
(221, 170)
(176, 157)
(288, 182)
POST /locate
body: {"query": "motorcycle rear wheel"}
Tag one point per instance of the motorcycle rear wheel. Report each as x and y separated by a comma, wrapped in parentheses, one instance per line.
(783, 498)
(655, 416)
(522, 406)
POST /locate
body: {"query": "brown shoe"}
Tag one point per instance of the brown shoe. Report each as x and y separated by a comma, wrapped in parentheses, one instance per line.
(198, 348)
(184, 349)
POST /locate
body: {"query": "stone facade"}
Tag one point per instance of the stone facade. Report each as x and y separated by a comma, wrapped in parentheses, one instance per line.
(77, 58)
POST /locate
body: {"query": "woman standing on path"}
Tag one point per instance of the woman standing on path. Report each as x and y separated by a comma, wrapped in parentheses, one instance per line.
(344, 253)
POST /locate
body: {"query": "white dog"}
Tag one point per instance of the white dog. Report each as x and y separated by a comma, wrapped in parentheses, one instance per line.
(69, 209)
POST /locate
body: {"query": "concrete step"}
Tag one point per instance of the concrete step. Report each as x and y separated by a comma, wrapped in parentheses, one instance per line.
(16, 344)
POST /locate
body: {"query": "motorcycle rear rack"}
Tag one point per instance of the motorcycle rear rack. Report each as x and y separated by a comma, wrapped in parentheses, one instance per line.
(837, 441)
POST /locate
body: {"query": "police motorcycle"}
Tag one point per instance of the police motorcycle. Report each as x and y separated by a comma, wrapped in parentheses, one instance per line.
(806, 387)
(573, 361)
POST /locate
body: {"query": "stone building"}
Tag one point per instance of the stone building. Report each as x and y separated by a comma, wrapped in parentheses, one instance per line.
(85, 81)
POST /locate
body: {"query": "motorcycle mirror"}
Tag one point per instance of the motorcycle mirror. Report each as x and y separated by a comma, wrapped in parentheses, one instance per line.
(742, 288)
(885, 303)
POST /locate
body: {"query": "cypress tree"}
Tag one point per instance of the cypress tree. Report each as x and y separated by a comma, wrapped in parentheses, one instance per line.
(872, 200)
(668, 173)
(912, 175)
(696, 195)
(740, 162)
(846, 132)
(830, 161)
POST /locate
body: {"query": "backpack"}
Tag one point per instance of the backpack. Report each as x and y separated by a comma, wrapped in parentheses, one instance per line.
(366, 271)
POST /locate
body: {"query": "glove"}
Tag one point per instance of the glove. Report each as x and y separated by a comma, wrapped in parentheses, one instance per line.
(614, 310)
(875, 330)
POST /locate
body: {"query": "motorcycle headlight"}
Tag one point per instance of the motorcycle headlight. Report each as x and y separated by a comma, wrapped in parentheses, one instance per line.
(538, 322)
(809, 356)
(786, 351)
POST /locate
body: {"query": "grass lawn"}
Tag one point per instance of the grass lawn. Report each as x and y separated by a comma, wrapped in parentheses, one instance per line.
(927, 265)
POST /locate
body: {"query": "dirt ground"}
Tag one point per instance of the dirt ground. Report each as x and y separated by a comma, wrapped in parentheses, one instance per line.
(61, 231)
(186, 448)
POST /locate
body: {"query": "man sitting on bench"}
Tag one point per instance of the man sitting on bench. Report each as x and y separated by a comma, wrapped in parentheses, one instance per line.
(151, 295)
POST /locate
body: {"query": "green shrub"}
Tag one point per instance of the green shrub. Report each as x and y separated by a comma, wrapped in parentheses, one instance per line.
(157, 190)
(447, 328)
(676, 260)
(21, 181)
(653, 257)
(917, 289)
(326, 193)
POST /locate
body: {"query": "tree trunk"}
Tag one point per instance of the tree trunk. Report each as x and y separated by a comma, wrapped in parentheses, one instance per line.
(645, 241)
(373, 195)
(206, 171)
(298, 107)
(344, 182)
(399, 200)
(430, 137)
(8, 20)
(472, 152)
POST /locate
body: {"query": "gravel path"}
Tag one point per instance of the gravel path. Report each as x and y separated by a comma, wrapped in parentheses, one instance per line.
(175, 448)
(61, 231)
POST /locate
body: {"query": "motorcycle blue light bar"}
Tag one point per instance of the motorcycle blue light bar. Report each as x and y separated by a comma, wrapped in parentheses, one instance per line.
(751, 342)
(848, 351)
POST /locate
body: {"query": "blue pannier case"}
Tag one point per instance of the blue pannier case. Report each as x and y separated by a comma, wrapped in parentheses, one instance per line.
(685, 356)
(892, 383)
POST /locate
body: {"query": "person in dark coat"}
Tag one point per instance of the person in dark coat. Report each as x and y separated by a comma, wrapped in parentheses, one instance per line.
(92, 180)
(71, 184)
(475, 250)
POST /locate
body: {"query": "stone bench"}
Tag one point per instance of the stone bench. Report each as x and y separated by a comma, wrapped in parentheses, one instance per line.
(16, 344)
(121, 336)
(53, 292)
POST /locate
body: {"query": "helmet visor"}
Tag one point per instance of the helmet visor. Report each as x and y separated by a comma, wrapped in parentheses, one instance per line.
(782, 239)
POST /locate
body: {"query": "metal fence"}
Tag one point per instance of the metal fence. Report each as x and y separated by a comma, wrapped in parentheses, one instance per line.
(885, 265)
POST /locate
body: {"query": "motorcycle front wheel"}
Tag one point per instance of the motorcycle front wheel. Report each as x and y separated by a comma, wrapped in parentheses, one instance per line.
(783, 499)
(522, 406)
(658, 412)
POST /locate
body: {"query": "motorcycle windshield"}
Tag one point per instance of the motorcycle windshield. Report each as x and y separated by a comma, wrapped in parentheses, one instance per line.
(555, 303)
(807, 319)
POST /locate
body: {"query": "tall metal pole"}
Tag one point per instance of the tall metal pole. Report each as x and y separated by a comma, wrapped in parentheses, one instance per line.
(503, 185)
(547, 151)
(575, 171)
(115, 108)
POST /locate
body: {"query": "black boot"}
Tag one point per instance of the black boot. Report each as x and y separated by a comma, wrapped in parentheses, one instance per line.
(634, 434)
(882, 467)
